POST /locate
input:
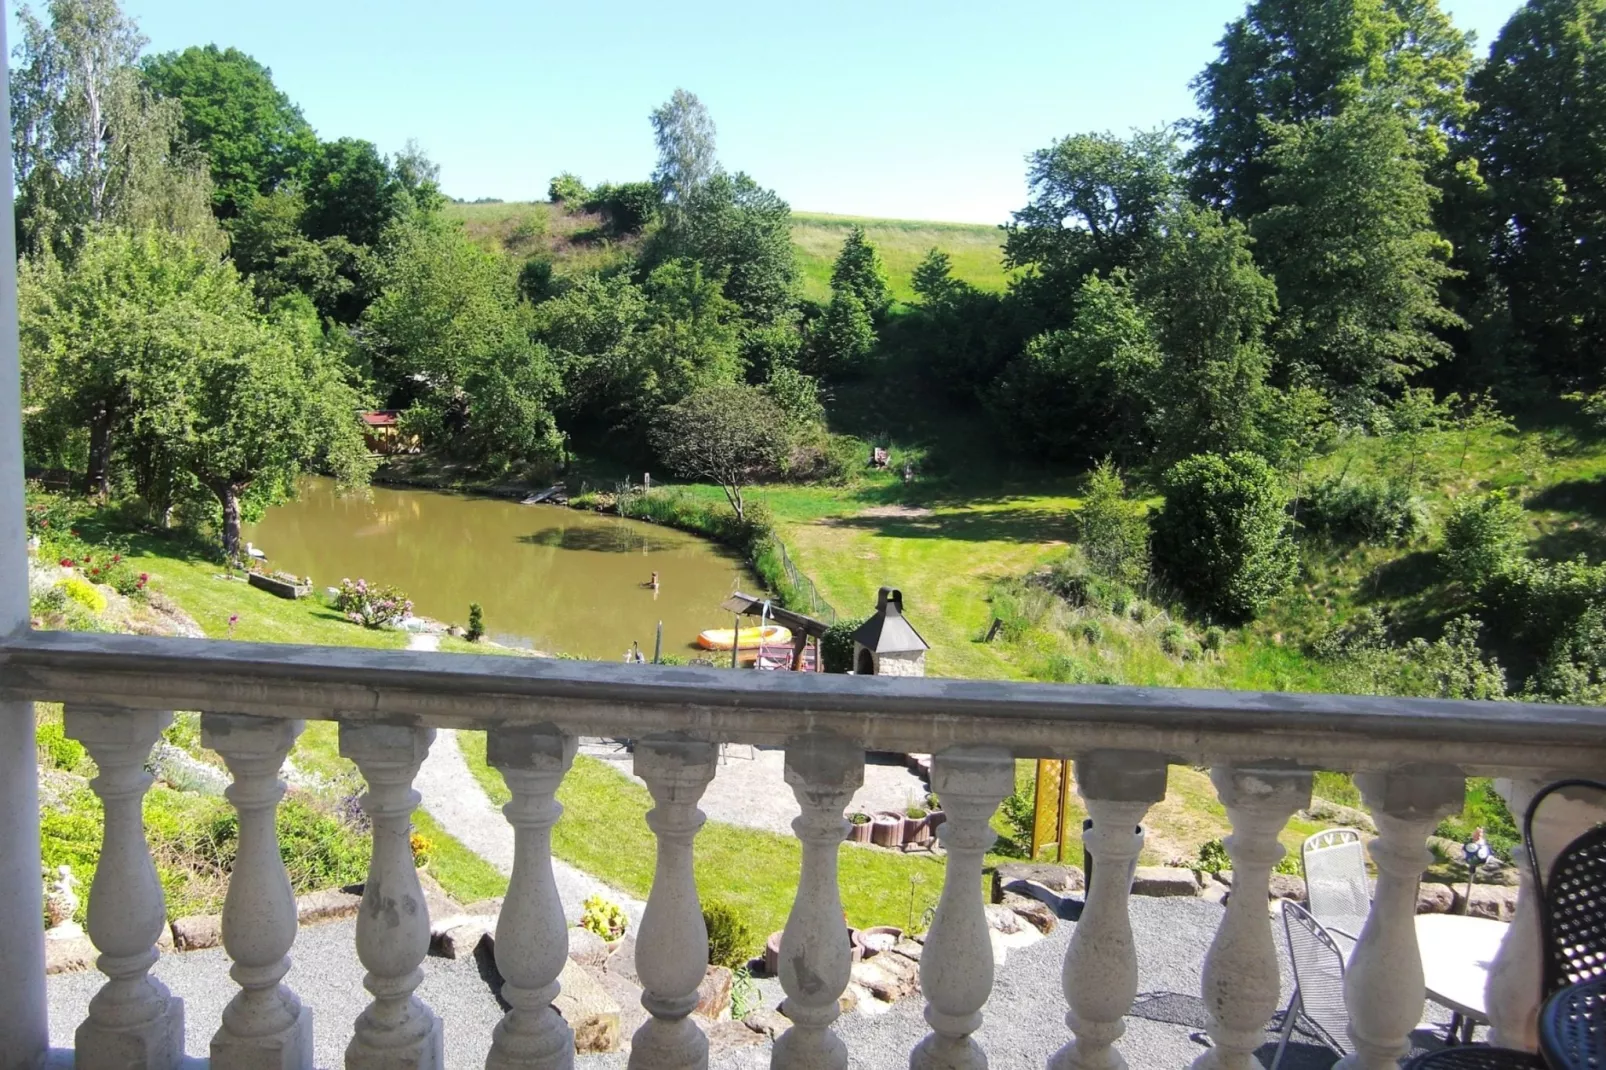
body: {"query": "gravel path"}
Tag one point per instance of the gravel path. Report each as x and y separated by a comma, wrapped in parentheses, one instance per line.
(454, 798)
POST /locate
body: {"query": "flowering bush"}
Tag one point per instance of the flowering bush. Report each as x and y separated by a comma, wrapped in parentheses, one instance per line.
(113, 570)
(608, 920)
(83, 592)
(372, 606)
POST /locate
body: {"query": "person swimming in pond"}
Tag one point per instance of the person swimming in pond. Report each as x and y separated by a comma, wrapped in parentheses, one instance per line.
(653, 583)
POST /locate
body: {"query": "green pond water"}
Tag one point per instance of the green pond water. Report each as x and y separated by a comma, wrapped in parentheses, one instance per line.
(557, 579)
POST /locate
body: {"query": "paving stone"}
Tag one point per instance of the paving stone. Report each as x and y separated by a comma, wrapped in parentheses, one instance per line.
(589, 1009)
(1164, 881)
(1061, 880)
(1035, 912)
(587, 948)
(198, 931)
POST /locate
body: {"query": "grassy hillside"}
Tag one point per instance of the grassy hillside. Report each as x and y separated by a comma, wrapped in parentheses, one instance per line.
(575, 242)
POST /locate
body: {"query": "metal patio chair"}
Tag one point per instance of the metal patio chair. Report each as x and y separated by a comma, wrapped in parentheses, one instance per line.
(1318, 999)
(1337, 890)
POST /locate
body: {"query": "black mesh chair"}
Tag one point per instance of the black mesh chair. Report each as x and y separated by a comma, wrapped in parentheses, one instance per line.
(1572, 1027)
(1572, 926)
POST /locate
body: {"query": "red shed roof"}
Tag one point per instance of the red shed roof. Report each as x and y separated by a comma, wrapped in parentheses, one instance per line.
(386, 418)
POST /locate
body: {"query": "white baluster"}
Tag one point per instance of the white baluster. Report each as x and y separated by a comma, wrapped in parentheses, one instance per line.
(264, 1026)
(815, 953)
(956, 966)
(133, 1020)
(1383, 986)
(532, 937)
(1241, 980)
(1101, 965)
(397, 1031)
(1511, 994)
(672, 946)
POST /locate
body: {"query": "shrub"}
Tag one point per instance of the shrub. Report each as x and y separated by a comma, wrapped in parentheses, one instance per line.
(836, 646)
(476, 623)
(567, 189)
(1483, 538)
(55, 750)
(626, 208)
(607, 919)
(1384, 511)
(1213, 857)
(372, 606)
(1174, 639)
(1140, 610)
(1084, 589)
(1091, 631)
(1215, 638)
(535, 279)
(1019, 812)
(1112, 530)
(731, 941)
(1222, 536)
(84, 594)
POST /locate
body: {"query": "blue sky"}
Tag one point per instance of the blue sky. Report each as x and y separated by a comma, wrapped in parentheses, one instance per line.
(869, 107)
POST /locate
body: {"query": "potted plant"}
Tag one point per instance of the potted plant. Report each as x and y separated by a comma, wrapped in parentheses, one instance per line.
(934, 815)
(606, 919)
(916, 827)
(879, 938)
(858, 827)
(886, 829)
(281, 584)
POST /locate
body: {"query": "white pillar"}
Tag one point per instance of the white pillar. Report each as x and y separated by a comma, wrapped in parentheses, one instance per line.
(133, 1020)
(1511, 994)
(1383, 986)
(397, 1031)
(532, 937)
(956, 966)
(1241, 979)
(815, 954)
(265, 1027)
(1101, 965)
(24, 1031)
(672, 946)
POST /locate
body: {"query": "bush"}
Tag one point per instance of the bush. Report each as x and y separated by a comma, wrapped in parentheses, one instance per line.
(1086, 590)
(56, 751)
(1213, 857)
(1091, 631)
(535, 279)
(731, 941)
(1112, 530)
(626, 208)
(607, 919)
(1483, 538)
(1174, 639)
(836, 646)
(84, 594)
(372, 606)
(476, 623)
(1222, 536)
(567, 189)
(1354, 510)
(1215, 638)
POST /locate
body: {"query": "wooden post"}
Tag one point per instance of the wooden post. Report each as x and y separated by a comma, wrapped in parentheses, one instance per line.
(736, 641)
(658, 646)
(1059, 815)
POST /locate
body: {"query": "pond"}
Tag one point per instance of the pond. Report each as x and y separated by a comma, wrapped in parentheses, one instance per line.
(558, 579)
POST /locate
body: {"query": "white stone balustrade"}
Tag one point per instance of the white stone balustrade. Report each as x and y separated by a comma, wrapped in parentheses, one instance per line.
(1410, 758)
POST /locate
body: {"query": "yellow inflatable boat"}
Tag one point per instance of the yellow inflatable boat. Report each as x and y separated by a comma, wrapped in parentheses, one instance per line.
(746, 639)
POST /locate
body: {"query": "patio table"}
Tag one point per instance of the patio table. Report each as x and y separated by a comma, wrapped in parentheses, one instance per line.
(1456, 953)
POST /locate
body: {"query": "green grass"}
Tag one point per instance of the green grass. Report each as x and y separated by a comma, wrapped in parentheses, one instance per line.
(466, 876)
(604, 832)
(974, 249)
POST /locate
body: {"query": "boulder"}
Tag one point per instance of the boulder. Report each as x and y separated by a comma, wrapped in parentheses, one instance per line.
(588, 1008)
(1061, 880)
(846, 1003)
(164, 942)
(1034, 912)
(198, 931)
(587, 948)
(767, 1022)
(69, 954)
(714, 995)
(1288, 886)
(326, 905)
(626, 993)
(459, 941)
(908, 949)
(1164, 881)
(1002, 919)
(623, 960)
(728, 1035)
(1488, 901)
(1434, 899)
(887, 977)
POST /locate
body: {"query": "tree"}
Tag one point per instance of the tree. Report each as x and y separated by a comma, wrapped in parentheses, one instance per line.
(1483, 537)
(1222, 537)
(1112, 530)
(684, 134)
(723, 434)
(1095, 201)
(90, 143)
(858, 271)
(843, 337)
(933, 278)
(1291, 61)
(1349, 238)
(1210, 307)
(268, 245)
(449, 336)
(743, 232)
(1085, 391)
(254, 137)
(351, 193)
(591, 330)
(1540, 137)
(688, 338)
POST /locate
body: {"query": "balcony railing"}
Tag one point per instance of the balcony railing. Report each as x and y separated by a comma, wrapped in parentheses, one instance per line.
(1411, 758)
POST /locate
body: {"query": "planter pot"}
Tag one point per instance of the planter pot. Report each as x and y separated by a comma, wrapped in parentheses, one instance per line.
(858, 832)
(278, 587)
(916, 829)
(879, 938)
(772, 955)
(613, 945)
(934, 821)
(856, 939)
(886, 830)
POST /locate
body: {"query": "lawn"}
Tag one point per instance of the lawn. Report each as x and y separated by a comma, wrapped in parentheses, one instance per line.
(975, 250)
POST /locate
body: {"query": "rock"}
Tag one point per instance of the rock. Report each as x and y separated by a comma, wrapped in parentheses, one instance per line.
(1002, 919)
(632, 1015)
(198, 931)
(326, 905)
(887, 977)
(491, 907)
(908, 949)
(1000, 944)
(459, 941)
(1434, 899)
(1061, 880)
(623, 960)
(714, 995)
(1223, 877)
(768, 1023)
(1287, 886)
(439, 903)
(69, 954)
(858, 998)
(1215, 893)
(1034, 912)
(164, 942)
(1164, 881)
(1488, 901)
(728, 1035)
(587, 948)
(846, 1002)
(588, 1008)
